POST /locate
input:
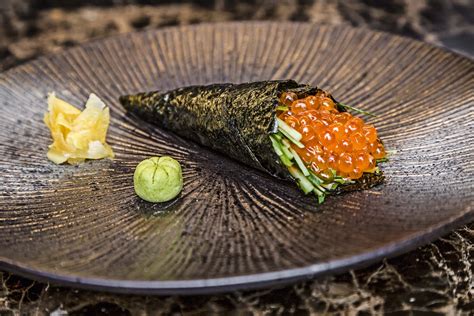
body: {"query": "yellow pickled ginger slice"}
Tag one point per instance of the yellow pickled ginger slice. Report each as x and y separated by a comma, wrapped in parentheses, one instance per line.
(77, 135)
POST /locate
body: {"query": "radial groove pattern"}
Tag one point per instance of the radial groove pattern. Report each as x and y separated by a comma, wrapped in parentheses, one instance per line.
(231, 226)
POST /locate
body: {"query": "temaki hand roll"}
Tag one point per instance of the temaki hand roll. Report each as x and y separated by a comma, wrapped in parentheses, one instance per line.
(289, 130)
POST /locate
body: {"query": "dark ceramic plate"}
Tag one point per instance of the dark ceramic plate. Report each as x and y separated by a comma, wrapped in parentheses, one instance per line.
(233, 227)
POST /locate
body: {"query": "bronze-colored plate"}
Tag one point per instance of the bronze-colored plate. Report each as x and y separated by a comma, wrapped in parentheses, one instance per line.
(233, 227)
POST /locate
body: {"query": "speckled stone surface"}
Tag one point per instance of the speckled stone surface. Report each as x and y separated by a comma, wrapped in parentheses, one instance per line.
(434, 279)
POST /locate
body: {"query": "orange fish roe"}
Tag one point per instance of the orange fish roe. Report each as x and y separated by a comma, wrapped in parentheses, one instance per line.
(332, 139)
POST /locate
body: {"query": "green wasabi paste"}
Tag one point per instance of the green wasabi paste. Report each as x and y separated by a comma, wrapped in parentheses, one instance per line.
(158, 179)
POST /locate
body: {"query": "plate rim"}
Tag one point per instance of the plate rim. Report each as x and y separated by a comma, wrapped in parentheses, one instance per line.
(95, 41)
(244, 282)
(251, 281)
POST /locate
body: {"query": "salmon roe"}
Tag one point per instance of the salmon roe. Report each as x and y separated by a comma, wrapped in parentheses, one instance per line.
(332, 139)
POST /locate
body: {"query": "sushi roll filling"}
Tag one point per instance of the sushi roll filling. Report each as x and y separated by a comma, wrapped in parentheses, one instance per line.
(322, 145)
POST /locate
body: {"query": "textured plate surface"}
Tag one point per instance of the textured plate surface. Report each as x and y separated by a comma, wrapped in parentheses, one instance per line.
(232, 227)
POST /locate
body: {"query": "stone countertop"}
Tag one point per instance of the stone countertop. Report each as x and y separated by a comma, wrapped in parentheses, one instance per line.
(434, 279)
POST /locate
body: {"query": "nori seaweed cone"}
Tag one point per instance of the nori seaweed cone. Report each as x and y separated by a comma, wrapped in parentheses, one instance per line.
(234, 119)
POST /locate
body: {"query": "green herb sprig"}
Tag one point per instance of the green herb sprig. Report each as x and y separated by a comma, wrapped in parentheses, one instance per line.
(348, 107)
